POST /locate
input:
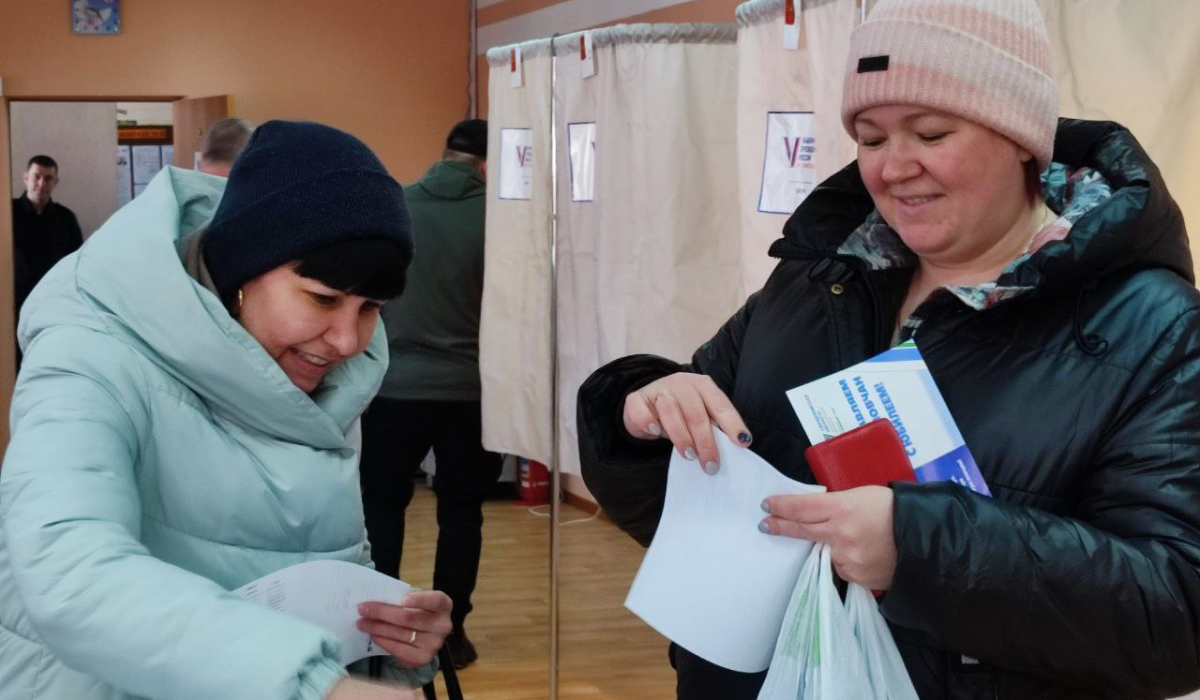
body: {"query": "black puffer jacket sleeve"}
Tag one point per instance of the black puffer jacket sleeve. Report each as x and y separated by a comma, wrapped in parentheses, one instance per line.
(1108, 600)
(628, 476)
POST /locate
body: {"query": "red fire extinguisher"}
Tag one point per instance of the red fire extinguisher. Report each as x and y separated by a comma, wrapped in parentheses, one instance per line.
(533, 482)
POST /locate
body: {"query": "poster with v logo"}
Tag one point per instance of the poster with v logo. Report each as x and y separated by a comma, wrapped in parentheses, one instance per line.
(516, 163)
(789, 162)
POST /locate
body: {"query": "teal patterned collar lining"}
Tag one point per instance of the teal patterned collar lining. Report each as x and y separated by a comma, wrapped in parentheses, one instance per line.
(1069, 193)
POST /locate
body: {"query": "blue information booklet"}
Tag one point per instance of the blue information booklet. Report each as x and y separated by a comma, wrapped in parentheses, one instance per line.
(895, 385)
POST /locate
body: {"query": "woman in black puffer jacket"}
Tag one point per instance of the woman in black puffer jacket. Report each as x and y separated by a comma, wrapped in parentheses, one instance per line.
(1064, 336)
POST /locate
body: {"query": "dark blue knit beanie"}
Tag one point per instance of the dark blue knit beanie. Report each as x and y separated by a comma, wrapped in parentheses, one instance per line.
(298, 187)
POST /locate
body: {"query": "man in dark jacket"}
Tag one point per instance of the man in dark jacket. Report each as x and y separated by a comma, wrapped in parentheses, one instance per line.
(44, 231)
(430, 396)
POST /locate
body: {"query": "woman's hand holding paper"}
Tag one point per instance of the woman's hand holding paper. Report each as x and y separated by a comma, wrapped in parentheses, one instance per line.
(857, 523)
(413, 631)
(682, 408)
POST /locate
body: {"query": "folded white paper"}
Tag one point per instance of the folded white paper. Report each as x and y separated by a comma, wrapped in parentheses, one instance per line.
(327, 593)
(711, 582)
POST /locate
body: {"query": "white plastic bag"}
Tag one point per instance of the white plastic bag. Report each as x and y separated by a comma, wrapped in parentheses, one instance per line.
(816, 655)
(885, 669)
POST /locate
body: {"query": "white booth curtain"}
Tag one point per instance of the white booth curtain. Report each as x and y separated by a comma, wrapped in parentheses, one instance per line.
(647, 240)
(648, 258)
(655, 250)
(514, 331)
(785, 95)
(581, 253)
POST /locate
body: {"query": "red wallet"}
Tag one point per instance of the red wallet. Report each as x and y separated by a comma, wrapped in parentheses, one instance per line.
(870, 455)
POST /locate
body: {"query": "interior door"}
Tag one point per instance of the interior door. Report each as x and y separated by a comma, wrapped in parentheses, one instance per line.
(192, 116)
(8, 347)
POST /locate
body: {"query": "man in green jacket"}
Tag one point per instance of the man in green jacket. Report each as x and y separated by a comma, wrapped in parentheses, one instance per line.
(430, 395)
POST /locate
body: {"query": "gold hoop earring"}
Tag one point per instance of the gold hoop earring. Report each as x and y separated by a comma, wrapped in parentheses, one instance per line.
(240, 300)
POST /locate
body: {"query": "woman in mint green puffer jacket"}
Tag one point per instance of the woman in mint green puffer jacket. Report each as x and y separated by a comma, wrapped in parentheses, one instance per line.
(183, 424)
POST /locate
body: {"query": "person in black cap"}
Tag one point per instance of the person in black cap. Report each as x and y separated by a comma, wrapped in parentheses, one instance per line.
(185, 423)
(430, 395)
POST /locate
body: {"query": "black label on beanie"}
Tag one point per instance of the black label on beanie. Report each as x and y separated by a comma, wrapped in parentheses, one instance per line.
(872, 64)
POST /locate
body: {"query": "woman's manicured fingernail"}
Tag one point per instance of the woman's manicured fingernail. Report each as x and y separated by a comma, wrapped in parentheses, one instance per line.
(766, 507)
(744, 437)
(654, 429)
(689, 453)
(711, 468)
(764, 528)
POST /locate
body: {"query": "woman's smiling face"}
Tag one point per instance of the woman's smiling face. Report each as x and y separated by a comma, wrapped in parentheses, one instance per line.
(952, 189)
(305, 326)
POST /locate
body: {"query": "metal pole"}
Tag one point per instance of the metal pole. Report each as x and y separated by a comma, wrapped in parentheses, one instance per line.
(472, 60)
(555, 475)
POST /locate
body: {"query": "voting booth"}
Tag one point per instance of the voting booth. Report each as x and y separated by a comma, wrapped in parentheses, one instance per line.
(514, 332)
(790, 135)
(646, 254)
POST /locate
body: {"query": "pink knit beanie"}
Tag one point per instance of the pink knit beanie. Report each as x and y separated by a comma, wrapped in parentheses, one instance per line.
(987, 61)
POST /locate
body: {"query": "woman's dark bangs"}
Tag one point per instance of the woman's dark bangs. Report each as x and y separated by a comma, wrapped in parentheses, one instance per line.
(369, 267)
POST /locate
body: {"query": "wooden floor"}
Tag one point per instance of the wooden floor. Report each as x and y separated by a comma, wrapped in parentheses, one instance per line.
(605, 653)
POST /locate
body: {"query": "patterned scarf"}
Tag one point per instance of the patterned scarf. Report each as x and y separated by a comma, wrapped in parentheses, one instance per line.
(1068, 193)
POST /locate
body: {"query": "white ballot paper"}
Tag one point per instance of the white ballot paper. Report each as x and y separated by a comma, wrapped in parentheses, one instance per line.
(711, 582)
(327, 593)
